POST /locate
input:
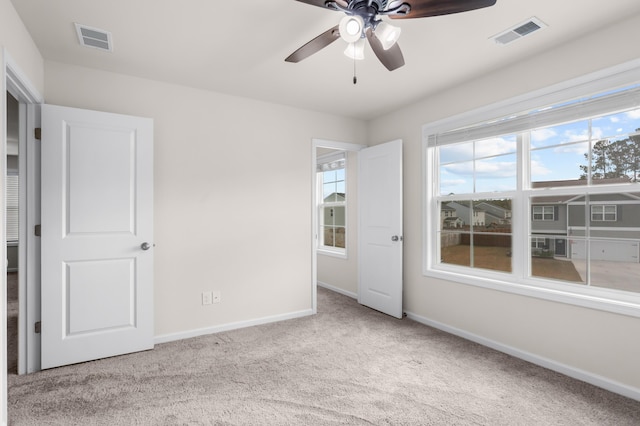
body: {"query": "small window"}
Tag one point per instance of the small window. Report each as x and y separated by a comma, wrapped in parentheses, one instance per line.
(604, 213)
(538, 243)
(542, 213)
(332, 203)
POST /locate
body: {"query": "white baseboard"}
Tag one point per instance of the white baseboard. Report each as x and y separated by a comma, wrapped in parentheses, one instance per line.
(337, 290)
(567, 370)
(164, 338)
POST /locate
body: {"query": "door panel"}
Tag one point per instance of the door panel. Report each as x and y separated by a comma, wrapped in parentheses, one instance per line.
(97, 210)
(380, 236)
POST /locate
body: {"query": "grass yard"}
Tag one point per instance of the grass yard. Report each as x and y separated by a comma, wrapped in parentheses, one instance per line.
(496, 258)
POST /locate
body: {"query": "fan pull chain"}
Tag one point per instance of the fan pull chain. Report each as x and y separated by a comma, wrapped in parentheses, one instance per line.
(355, 78)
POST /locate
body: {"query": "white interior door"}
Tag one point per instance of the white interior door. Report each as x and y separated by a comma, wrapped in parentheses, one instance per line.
(97, 231)
(380, 228)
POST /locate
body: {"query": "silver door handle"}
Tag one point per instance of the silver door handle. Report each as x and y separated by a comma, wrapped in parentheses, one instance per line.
(145, 246)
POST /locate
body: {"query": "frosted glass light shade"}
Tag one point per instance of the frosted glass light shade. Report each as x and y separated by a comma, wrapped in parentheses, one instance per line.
(355, 50)
(351, 28)
(387, 34)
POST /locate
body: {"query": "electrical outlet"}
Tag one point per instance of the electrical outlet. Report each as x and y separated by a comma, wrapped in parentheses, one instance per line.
(207, 298)
(215, 296)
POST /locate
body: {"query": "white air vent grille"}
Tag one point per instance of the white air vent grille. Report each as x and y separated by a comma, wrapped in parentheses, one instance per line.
(94, 37)
(517, 32)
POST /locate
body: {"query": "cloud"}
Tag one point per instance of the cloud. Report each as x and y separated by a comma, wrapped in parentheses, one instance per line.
(483, 148)
(542, 135)
(483, 169)
(634, 115)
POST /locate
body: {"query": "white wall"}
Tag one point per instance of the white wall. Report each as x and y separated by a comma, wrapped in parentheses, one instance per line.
(232, 194)
(338, 273)
(599, 343)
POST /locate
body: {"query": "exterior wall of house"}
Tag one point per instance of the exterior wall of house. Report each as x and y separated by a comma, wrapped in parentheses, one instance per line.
(556, 226)
(579, 338)
(226, 168)
(338, 273)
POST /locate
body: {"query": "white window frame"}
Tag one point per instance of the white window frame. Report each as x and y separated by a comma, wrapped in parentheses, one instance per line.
(597, 298)
(321, 205)
(603, 212)
(543, 214)
(538, 242)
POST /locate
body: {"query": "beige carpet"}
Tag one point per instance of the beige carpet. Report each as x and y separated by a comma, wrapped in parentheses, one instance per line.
(346, 365)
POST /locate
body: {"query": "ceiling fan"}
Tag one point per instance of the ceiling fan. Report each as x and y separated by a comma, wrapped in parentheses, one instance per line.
(363, 21)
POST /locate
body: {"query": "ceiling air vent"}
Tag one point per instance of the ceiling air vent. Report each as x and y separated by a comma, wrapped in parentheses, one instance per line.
(515, 33)
(94, 37)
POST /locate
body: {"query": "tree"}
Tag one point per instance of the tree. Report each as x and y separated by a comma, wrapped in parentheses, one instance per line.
(634, 156)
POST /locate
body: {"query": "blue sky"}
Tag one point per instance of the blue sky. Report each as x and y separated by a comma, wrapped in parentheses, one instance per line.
(557, 153)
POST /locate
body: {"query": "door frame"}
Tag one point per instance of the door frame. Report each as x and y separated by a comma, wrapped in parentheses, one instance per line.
(315, 144)
(17, 83)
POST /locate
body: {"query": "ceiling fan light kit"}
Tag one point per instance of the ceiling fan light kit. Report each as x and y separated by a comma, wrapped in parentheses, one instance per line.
(364, 20)
(387, 34)
(351, 28)
(355, 50)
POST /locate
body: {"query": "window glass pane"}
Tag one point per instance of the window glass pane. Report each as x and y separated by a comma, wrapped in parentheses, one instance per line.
(339, 216)
(476, 233)
(328, 216)
(456, 178)
(622, 123)
(329, 236)
(614, 264)
(340, 237)
(496, 174)
(498, 145)
(340, 189)
(329, 192)
(456, 153)
(452, 249)
(560, 163)
(562, 134)
(550, 259)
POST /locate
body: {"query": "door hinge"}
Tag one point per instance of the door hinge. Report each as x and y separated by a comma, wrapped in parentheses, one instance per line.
(37, 230)
(38, 327)
(37, 133)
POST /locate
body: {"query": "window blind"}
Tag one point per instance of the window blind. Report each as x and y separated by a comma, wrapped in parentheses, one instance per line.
(332, 161)
(594, 106)
(12, 208)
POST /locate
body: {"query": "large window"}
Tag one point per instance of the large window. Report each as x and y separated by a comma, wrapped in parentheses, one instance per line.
(548, 198)
(332, 203)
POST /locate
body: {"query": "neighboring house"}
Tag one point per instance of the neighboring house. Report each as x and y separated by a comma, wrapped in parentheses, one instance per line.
(481, 215)
(496, 211)
(613, 221)
(448, 218)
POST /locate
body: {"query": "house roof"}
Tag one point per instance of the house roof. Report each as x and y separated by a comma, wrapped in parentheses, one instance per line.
(238, 47)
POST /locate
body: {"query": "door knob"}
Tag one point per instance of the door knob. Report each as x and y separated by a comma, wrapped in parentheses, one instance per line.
(396, 238)
(145, 246)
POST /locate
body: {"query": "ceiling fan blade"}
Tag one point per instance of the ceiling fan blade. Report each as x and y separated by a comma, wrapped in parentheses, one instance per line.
(322, 3)
(391, 58)
(425, 8)
(318, 43)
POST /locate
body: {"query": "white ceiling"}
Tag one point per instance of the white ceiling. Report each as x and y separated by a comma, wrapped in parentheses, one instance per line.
(238, 47)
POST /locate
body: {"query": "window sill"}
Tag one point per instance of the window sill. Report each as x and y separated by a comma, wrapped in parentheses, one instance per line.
(602, 299)
(340, 254)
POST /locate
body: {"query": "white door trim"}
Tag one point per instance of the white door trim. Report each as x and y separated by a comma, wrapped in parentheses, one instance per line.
(315, 144)
(17, 83)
